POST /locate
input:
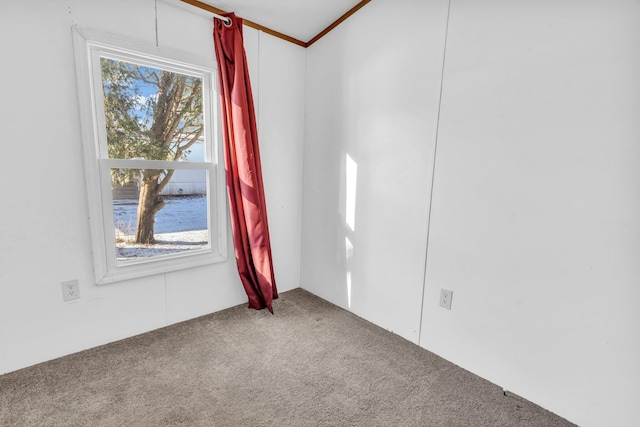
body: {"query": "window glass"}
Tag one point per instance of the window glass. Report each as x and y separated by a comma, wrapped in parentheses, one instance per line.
(156, 192)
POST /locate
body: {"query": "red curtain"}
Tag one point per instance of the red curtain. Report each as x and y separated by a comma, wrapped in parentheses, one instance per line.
(242, 166)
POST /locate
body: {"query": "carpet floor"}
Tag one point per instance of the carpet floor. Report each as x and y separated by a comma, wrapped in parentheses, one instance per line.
(310, 364)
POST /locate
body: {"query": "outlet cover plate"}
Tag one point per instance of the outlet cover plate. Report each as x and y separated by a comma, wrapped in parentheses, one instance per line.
(445, 298)
(70, 290)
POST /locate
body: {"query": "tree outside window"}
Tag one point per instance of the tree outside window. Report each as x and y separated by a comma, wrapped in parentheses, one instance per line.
(149, 110)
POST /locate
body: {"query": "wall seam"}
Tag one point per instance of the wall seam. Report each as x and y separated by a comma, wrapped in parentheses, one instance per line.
(433, 173)
(155, 6)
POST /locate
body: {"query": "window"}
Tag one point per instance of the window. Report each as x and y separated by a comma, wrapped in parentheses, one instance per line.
(154, 183)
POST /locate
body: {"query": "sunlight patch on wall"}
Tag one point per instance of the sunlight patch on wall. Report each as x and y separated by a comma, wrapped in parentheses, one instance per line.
(349, 255)
(352, 177)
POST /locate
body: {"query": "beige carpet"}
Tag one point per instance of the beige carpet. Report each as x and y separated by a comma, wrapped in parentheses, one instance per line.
(310, 364)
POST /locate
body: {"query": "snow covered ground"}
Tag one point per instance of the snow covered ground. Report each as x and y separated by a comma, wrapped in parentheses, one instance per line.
(180, 226)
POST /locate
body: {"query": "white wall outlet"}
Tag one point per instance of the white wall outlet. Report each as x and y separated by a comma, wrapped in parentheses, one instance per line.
(445, 298)
(70, 290)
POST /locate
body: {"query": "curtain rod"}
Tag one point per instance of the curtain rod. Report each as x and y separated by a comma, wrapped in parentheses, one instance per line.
(213, 10)
(218, 12)
(225, 19)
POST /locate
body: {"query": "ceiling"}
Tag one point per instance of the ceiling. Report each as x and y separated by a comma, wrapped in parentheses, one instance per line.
(300, 19)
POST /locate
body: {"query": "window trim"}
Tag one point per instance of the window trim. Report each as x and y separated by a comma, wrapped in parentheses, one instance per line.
(89, 46)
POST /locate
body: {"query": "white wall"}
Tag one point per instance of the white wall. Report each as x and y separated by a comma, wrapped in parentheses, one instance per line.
(535, 215)
(281, 128)
(45, 231)
(535, 221)
(370, 96)
(536, 208)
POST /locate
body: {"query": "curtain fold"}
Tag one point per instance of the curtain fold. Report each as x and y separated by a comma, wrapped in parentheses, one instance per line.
(242, 166)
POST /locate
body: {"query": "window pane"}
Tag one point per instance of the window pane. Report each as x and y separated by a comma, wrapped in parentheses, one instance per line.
(179, 223)
(150, 113)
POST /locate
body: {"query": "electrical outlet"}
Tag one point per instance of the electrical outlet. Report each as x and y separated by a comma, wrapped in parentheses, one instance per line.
(445, 298)
(70, 290)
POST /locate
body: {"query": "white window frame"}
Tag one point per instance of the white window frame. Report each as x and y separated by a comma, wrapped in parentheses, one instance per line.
(89, 47)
